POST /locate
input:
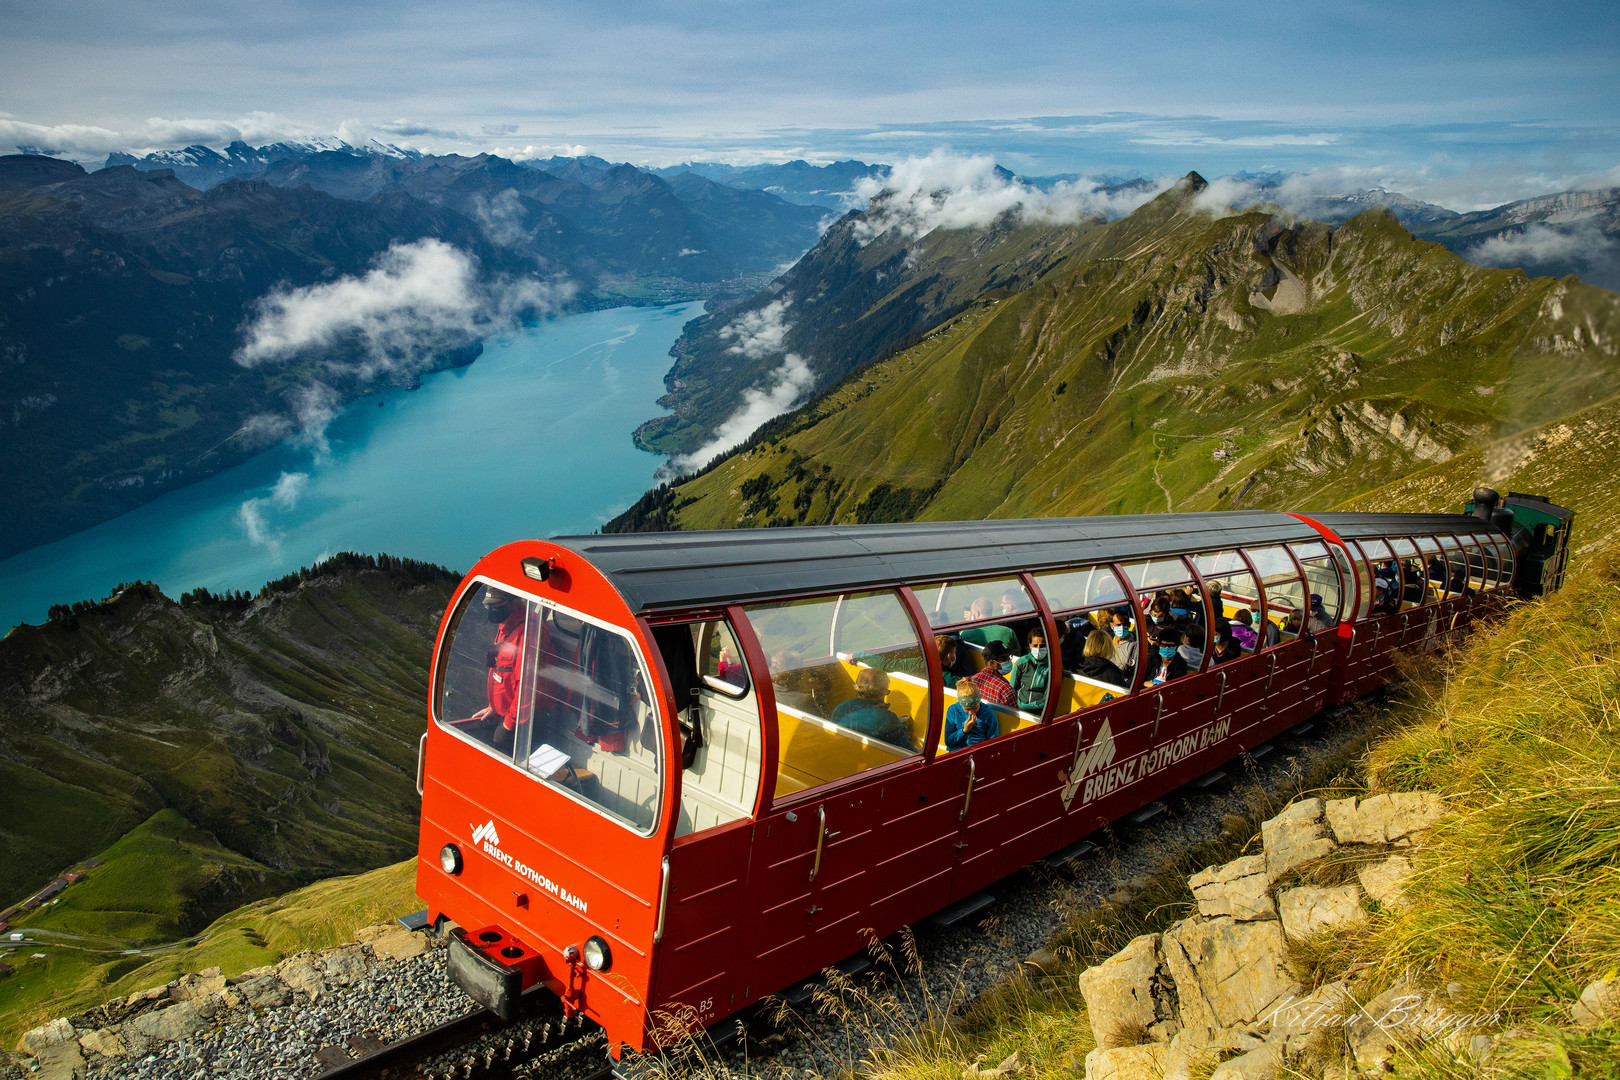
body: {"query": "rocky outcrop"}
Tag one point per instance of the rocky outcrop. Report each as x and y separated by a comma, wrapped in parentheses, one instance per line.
(132, 1025)
(1215, 994)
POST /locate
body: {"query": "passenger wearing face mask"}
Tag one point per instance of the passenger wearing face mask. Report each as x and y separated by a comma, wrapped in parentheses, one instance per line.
(1225, 647)
(969, 720)
(1166, 664)
(1185, 606)
(1124, 640)
(503, 659)
(991, 679)
(1032, 674)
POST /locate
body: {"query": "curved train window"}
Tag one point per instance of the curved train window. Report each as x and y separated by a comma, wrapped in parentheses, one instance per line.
(1476, 562)
(851, 685)
(1509, 561)
(953, 602)
(559, 696)
(720, 658)
(1456, 566)
(1385, 595)
(1174, 609)
(1434, 565)
(1098, 666)
(1285, 595)
(1410, 575)
(1234, 595)
(1493, 564)
(1504, 561)
(1323, 586)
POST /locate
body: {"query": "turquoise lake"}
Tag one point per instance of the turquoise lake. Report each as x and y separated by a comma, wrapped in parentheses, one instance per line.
(530, 440)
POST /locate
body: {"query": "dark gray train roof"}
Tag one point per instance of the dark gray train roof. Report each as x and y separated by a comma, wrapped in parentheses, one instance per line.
(1354, 526)
(661, 571)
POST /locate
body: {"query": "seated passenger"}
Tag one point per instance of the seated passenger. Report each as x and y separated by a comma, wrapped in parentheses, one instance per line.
(1386, 600)
(730, 671)
(1272, 634)
(1119, 624)
(1191, 648)
(969, 720)
(983, 635)
(1098, 661)
(868, 712)
(1032, 674)
(944, 645)
(1320, 621)
(990, 680)
(1183, 605)
(1167, 664)
(1292, 624)
(1225, 647)
(1072, 634)
(1243, 630)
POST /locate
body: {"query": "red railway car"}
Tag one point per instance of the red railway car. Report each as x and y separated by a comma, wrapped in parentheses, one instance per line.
(666, 775)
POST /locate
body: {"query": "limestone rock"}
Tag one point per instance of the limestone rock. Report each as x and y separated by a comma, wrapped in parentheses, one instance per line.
(1600, 1001)
(1227, 972)
(59, 1061)
(393, 942)
(345, 966)
(1262, 1063)
(192, 987)
(1295, 837)
(55, 1033)
(104, 1041)
(255, 973)
(1384, 819)
(1040, 959)
(1119, 993)
(1196, 1050)
(1240, 888)
(300, 974)
(1385, 881)
(1310, 911)
(1145, 1062)
(265, 992)
(1329, 1007)
(177, 1022)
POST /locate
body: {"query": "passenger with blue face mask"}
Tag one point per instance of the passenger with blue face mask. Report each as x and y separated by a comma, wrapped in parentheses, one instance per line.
(992, 679)
(1166, 664)
(1124, 639)
(969, 720)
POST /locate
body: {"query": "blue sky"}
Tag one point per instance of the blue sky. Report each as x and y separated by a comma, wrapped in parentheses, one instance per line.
(1465, 103)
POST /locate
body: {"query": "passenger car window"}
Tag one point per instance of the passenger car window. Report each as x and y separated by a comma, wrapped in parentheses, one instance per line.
(1324, 591)
(1285, 595)
(850, 683)
(1175, 610)
(1234, 595)
(1456, 564)
(561, 697)
(951, 603)
(1098, 665)
(1071, 590)
(722, 668)
(1411, 575)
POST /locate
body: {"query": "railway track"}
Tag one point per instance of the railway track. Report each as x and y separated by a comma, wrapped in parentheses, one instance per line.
(480, 1046)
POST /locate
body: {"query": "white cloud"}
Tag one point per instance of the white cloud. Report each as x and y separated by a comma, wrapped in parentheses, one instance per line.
(417, 299)
(759, 333)
(1539, 243)
(284, 496)
(787, 386)
(532, 151)
(947, 190)
(502, 216)
(89, 145)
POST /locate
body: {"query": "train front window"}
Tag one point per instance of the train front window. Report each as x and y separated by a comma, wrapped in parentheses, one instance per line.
(851, 685)
(556, 695)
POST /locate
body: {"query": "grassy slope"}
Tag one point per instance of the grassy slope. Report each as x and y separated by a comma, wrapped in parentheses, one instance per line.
(1106, 386)
(319, 915)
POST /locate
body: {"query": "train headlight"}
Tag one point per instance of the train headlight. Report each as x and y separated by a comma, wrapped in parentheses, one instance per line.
(450, 859)
(597, 954)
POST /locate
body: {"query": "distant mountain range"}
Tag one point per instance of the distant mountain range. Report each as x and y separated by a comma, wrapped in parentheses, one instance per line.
(1169, 360)
(123, 292)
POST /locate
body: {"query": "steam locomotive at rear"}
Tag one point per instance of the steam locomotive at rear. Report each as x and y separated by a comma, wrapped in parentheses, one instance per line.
(667, 775)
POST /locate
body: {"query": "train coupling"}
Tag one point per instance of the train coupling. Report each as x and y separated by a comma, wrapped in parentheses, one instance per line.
(493, 968)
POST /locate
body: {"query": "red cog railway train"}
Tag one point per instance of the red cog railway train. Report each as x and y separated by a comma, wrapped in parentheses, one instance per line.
(667, 775)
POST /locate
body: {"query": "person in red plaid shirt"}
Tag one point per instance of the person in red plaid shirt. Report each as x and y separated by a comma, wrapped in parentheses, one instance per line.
(992, 683)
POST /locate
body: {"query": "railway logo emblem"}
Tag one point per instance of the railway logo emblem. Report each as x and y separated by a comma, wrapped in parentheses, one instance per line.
(486, 831)
(1087, 761)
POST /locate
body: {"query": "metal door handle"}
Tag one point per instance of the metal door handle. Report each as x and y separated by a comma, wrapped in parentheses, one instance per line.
(1350, 648)
(1220, 695)
(1157, 714)
(421, 759)
(1273, 673)
(1315, 646)
(663, 903)
(967, 800)
(821, 838)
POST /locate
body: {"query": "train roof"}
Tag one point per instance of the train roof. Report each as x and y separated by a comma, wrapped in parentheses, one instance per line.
(1351, 526)
(662, 571)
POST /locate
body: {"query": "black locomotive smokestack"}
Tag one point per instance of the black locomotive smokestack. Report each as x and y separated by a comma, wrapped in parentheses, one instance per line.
(1485, 500)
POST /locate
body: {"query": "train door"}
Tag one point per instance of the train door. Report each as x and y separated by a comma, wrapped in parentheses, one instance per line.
(1456, 615)
(707, 869)
(1239, 669)
(1177, 700)
(858, 836)
(1002, 811)
(1375, 638)
(1325, 587)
